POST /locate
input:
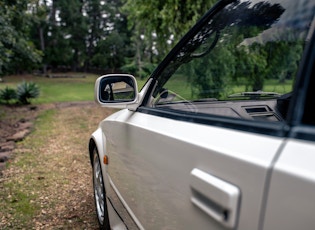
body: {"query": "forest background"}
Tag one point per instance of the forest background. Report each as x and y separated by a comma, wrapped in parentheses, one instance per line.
(94, 36)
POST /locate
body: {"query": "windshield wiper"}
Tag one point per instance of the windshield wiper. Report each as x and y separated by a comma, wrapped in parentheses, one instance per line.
(255, 95)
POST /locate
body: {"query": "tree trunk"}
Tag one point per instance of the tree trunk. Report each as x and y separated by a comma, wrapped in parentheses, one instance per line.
(42, 47)
(138, 56)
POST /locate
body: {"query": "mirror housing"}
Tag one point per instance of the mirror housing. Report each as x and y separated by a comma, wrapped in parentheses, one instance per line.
(116, 90)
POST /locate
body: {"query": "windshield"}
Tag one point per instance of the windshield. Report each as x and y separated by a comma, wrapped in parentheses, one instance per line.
(250, 50)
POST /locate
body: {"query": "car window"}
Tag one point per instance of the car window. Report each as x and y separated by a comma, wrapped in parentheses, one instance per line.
(241, 63)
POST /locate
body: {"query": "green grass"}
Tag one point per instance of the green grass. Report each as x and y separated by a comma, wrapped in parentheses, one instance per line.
(275, 86)
(59, 89)
(17, 196)
(179, 85)
(43, 130)
(82, 89)
(21, 202)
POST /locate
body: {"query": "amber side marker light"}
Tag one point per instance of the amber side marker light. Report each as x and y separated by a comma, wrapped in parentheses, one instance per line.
(105, 160)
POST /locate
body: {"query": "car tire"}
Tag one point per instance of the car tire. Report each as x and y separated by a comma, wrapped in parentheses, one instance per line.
(99, 193)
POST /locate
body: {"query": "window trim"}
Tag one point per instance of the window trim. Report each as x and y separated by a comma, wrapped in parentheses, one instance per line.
(303, 132)
(297, 105)
(300, 130)
(278, 129)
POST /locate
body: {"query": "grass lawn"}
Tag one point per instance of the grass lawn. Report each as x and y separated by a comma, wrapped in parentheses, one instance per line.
(81, 88)
(77, 88)
(180, 86)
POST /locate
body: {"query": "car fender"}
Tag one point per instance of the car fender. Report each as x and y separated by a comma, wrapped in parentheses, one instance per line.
(99, 141)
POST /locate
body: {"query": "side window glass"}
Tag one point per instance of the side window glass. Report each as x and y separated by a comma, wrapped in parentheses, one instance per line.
(242, 63)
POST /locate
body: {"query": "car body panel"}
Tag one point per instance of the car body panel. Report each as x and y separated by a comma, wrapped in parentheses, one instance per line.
(290, 202)
(153, 157)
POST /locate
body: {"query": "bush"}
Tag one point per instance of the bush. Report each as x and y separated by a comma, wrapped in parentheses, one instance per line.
(7, 94)
(26, 91)
(145, 70)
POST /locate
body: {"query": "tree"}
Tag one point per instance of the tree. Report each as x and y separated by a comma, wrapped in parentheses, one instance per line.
(109, 43)
(17, 51)
(39, 15)
(158, 24)
(95, 22)
(73, 27)
(168, 19)
(282, 58)
(108, 52)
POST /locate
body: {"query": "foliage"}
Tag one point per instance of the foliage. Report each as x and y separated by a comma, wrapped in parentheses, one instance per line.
(7, 94)
(165, 18)
(73, 27)
(132, 68)
(283, 58)
(86, 34)
(26, 91)
(109, 52)
(157, 25)
(23, 93)
(17, 51)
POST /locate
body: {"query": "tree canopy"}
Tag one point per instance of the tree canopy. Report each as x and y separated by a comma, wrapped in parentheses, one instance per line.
(17, 50)
(84, 35)
(132, 36)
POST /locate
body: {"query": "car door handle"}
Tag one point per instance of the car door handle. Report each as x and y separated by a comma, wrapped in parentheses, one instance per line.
(217, 198)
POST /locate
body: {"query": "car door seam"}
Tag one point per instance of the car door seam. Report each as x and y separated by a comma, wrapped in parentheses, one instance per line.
(267, 184)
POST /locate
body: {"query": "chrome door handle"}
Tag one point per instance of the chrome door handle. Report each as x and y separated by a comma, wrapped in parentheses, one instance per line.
(218, 198)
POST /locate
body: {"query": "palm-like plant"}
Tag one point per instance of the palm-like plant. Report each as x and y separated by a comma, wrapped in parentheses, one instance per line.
(7, 94)
(26, 91)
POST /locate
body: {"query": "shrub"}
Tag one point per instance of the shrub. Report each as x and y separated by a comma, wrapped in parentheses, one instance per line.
(7, 94)
(145, 70)
(26, 91)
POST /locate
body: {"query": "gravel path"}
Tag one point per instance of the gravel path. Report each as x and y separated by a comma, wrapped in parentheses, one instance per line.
(51, 169)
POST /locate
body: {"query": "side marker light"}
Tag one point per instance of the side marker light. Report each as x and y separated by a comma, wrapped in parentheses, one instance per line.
(105, 160)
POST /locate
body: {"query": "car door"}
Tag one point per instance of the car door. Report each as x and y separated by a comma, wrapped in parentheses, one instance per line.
(174, 174)
(202, 164)
(290, 203)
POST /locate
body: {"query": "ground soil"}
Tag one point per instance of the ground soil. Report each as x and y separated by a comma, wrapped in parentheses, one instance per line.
(65, 198)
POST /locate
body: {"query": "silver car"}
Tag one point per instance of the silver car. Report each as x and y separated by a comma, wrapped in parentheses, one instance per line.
(222, 134)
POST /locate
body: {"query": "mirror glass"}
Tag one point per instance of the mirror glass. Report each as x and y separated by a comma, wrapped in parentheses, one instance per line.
(117, 89)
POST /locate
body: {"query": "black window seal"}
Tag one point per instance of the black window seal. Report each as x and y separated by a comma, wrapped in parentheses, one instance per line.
(298, 106)
(277, 129)
(303, 132)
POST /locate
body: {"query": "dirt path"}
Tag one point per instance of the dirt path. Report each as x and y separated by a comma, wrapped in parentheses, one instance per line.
(50, 174)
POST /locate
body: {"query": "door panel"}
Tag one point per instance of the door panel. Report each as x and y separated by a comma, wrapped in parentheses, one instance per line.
(152, 160)
(291, 203)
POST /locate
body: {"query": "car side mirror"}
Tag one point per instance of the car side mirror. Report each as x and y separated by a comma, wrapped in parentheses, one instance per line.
(118, 89)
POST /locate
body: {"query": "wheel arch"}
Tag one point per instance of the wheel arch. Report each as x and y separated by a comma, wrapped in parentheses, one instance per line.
(96, 141)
